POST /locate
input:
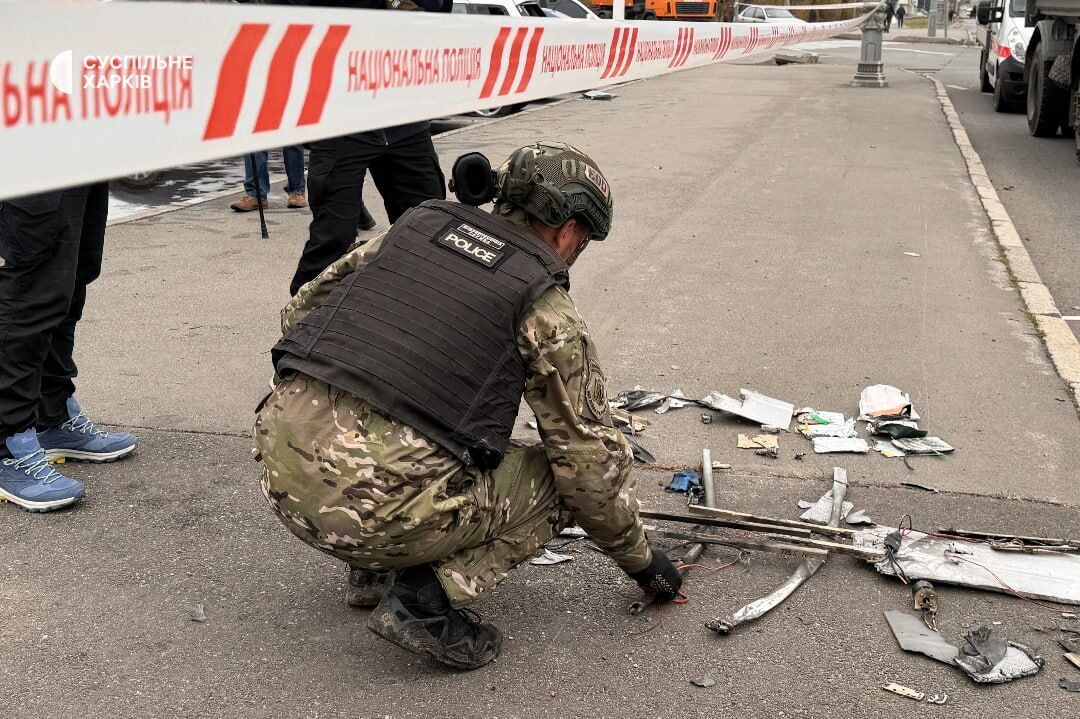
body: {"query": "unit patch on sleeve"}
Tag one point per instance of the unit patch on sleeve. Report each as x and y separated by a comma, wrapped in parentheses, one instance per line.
(473, 243)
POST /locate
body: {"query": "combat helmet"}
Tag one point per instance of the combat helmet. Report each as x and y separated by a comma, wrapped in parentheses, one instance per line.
(554, 181)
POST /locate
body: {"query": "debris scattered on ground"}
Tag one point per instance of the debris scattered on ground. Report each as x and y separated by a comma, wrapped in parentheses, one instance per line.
(884, 401)
(761, 441)
(675, 400)
(859, 516)
(547, 557)
(925, 599)
(683, 481)
(820, 512)
(1053, 576)
(938, 699)
(703, 682)
(598, 95)
(813, 423)
(706, 418)
(623, 418)
(720, 465)
(756, 407)
(636, 398)
(640, 453)
(1069, 685)
(771, 452)
(574, 531)
(198, 613)
(769, 429)
(901, 690)
(888, 449)
(826, 445)
(800, 455)
(1018, 542)
(924, 445)
(795, 57)
(913, 254)
(984, 656)
(1073, 658)
(923, 487)
(895, 428)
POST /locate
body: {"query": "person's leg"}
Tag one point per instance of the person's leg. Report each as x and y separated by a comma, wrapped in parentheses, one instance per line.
(408, 174)
(254, 172)
(39, 244)
(293, 157)
(367, 222)
(39, 241)
(63, 429)
(335, 193)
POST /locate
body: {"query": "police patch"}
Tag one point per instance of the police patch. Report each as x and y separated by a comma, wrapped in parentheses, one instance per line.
(473, 243)
(596, 392)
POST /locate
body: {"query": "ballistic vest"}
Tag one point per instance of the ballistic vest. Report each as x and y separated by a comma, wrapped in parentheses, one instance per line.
(426, 330)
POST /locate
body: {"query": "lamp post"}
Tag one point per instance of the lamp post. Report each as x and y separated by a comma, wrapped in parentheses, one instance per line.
(871, 70)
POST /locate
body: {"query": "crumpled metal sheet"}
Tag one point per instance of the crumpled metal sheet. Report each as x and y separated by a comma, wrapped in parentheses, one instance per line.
(821, 511)
(547, 557)
(914, 636)
(636, 398)
(1019, 661)
(675, 400)
(754, 406)
(835, 424)
(1054, 577)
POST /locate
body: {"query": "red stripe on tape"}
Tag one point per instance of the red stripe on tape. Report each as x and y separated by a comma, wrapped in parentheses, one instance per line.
(496, 62)
(515, 59)
(232, 81)
(530, 61)
(322, 73)
(616, 40)
(280, 77)
(630, 54)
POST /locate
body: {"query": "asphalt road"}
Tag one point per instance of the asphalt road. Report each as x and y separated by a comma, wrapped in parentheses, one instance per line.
(1037, 179)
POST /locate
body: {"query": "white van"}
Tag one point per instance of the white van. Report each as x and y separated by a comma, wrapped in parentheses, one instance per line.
(1004, 39)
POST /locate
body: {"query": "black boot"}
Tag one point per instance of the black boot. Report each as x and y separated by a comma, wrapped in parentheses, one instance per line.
(366, 587)
(415, 614)
(367, 222)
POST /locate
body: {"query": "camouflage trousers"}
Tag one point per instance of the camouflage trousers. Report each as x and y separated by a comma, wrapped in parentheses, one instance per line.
(374, 493)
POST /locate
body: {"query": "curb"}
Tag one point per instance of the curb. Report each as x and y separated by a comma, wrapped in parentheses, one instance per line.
(912, 39)
(1061, 343)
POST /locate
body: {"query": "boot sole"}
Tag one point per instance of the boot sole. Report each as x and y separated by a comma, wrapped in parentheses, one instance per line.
(38, 507)
(76, 455)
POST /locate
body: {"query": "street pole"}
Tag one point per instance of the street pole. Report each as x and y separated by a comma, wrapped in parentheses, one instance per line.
(871, 70)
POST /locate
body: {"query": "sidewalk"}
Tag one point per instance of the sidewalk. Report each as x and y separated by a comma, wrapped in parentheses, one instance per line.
(762, 216)
(961, 32)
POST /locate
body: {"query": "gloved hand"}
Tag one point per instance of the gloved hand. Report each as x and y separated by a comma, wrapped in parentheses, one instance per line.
(660, 579)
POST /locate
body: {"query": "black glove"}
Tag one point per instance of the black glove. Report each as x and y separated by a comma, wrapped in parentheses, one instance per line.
(660, 579)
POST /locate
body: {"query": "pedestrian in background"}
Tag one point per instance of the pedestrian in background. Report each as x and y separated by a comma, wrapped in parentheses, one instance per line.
(890, 9)
(901, 12)
(51, 245)
(257, 171)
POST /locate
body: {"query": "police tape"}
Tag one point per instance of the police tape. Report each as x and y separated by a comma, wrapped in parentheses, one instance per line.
(95, 91)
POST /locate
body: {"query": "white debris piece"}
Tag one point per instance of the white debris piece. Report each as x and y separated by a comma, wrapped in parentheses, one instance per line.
(827, 445)
(754, 406)
(923, 445)
(888, 449)
(675, 400)
(546, 557)
(882, 400)
(574, 531)
(821, 511)
(836, 425)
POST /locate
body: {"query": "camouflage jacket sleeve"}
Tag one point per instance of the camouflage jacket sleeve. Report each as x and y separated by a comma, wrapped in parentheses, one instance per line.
(590, 458)
(314, 293)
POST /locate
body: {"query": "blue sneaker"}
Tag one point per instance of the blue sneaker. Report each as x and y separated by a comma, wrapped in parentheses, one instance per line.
(79, 439)
(28, 481)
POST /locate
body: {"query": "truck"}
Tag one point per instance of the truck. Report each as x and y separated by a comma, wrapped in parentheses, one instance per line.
(1051, 65)
(661, 9)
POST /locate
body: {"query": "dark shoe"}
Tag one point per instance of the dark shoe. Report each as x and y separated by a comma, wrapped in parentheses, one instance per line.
(246, 204)
(415, 614)
(367, 222)
(366, 587)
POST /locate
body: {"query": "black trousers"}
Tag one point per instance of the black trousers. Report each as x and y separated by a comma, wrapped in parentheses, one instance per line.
(405, 171)
(51, 245)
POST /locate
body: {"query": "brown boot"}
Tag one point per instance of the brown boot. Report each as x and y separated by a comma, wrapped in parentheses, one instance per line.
(247, 203)
(296, 199)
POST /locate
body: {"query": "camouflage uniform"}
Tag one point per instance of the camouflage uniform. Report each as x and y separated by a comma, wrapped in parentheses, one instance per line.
(375, 493)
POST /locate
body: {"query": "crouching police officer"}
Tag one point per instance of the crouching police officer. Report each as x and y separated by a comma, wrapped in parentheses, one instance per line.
(386, 443)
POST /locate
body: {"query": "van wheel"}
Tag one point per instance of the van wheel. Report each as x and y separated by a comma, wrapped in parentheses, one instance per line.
(1045, 99)
(984, 76)
(1000, 103)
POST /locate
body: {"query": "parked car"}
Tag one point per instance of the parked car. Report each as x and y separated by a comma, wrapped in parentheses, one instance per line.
(768, 15)
(569, 9)
(1004, 38)
(509, 9)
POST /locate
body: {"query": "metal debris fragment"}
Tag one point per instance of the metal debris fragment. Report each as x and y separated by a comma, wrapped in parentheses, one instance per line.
(901, 690)
(923, 445)
(923, 487)
(756, 407)
(703, 682)
(546, 557)
(198, 613)
(675, 400)
(826, 445)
